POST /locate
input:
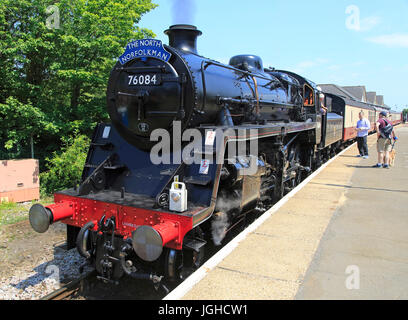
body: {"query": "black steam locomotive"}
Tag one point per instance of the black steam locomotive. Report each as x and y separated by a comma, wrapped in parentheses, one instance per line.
(256, 134)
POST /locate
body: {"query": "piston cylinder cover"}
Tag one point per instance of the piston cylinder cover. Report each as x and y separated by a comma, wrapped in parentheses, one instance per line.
(240, 166)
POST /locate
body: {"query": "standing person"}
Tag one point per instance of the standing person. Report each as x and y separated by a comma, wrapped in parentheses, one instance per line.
(323, 109)
(385, 134)
(363, 126)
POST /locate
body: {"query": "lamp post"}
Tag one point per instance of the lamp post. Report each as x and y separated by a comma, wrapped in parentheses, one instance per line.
(32, 147)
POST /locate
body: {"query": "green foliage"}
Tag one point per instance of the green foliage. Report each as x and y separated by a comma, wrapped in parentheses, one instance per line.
(7, 206)
(11, 212)
(54, 80)
(65, 169)
(19, 123)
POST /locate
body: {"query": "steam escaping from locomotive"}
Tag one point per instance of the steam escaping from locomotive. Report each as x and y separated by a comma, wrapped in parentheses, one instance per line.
(219, 227)
(183, 11)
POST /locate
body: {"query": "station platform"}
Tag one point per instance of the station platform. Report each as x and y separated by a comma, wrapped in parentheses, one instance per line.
(349, 216)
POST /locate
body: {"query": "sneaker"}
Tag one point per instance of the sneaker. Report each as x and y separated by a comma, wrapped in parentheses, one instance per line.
(377, 166)
(359, 156)
(386, 166)
(366, 157)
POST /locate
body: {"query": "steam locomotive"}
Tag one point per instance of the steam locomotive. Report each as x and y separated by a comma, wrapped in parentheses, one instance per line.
(257, 133)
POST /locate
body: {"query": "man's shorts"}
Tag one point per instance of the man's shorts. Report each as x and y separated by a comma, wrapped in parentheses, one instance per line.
(384, 145)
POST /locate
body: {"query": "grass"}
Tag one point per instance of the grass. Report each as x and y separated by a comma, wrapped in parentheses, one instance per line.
(11, 212)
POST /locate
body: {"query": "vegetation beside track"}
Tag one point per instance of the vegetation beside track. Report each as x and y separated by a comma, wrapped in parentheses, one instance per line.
(11, 213)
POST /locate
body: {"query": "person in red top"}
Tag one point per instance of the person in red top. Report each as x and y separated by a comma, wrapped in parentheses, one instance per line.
(384, 144)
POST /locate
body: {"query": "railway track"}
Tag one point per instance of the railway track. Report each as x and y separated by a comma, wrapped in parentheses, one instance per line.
(88, 287)
(69, 289)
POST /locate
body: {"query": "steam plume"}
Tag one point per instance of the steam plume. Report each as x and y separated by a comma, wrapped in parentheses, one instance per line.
(219, 226)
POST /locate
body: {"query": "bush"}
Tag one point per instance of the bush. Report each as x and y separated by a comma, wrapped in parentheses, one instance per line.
(65, 169)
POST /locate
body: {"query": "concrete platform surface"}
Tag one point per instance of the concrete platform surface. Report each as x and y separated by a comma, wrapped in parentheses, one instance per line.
(343, 236)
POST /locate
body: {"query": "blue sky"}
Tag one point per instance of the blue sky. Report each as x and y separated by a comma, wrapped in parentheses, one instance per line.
(353, 42)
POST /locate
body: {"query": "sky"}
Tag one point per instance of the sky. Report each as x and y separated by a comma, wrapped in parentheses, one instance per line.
(345, 42)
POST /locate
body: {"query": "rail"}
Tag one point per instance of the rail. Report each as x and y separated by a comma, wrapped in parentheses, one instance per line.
(69, 289)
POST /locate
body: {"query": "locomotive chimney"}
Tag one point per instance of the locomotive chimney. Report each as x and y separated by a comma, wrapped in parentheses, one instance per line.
(184, 37)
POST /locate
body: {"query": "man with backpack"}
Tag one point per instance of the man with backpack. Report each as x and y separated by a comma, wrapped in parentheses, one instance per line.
(385, 134)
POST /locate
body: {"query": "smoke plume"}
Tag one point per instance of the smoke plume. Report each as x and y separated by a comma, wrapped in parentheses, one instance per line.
(183, 11)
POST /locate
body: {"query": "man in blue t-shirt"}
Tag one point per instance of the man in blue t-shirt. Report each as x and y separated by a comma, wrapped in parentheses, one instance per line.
(363, 126)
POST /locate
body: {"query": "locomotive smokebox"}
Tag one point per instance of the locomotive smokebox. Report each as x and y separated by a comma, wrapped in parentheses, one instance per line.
(184, 37)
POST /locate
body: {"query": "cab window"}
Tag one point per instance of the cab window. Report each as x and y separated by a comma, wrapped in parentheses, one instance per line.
(308, 96)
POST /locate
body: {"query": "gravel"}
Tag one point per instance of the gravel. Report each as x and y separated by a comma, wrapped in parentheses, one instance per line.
(33, 265)
(27, 284)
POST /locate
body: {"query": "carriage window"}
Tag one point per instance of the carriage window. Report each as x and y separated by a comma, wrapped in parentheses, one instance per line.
(308, 96)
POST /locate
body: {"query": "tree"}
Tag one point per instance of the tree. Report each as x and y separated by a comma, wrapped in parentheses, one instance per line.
(65, 169)
(59, 75)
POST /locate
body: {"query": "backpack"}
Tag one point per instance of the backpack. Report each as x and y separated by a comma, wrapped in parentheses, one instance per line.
(387, 130)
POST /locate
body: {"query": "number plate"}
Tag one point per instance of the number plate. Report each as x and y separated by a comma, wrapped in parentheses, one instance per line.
(146, 79)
